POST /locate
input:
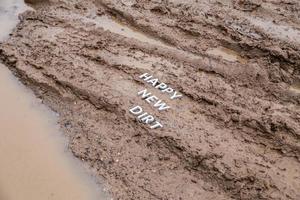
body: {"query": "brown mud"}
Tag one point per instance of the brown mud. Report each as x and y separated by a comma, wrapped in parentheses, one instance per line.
(234, 135)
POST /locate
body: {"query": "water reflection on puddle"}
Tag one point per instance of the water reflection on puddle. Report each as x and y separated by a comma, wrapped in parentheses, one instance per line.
(283, 32)
(8, 15)
(35, 164)
(227, 54)
(117, 27)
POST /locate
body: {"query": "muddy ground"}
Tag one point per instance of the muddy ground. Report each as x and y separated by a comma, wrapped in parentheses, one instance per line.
(234, 134)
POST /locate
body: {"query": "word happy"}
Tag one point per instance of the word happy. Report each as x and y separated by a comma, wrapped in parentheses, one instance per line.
(164, 88)
(160, 105)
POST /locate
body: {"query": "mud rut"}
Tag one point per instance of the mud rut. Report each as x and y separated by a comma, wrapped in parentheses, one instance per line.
(234, 135)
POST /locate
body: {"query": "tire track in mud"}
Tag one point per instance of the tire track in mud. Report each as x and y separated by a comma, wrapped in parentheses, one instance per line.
(202, 25)
(228, 138)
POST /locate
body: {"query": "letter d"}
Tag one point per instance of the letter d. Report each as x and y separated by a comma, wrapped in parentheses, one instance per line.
(136, 110)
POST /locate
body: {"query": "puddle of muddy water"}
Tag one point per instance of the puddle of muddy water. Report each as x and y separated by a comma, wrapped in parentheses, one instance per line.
(227, 54)
(8, 15)
(35, 163)
(295, 88)
(283, 32)
(117, 27)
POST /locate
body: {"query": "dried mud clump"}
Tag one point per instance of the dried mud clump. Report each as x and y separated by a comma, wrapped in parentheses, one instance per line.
(247, 5)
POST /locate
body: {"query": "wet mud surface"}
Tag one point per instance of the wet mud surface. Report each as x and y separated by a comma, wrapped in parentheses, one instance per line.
(235, 133)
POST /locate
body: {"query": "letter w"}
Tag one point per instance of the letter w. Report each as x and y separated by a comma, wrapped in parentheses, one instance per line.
(161, 105)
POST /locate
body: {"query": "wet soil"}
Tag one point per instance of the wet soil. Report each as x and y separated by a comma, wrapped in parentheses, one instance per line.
(234, 134)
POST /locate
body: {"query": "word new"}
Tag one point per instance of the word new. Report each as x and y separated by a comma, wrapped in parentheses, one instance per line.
(159, 104)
